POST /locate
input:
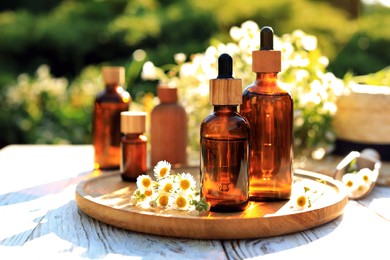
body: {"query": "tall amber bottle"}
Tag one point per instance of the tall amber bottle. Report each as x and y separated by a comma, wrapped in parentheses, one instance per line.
(106, 118)
(168, 128)
(269, 111)
(133, 145)
(224, 140)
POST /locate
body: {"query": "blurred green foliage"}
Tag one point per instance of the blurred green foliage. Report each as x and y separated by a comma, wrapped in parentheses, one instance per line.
(368, 50)
(75, 38)
(45, 109)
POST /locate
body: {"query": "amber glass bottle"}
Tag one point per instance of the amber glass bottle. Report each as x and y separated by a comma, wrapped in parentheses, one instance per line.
(168, 128)
(269, 111)
(224, 139)
(133, 145)
(106, 118)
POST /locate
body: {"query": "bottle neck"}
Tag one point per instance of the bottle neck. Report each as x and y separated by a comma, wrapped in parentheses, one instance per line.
(112, 88)
(132, 135)
(225, 108)
(167, 95)
(167, 102)
(267, 82)
(168, 99)
(267, 77)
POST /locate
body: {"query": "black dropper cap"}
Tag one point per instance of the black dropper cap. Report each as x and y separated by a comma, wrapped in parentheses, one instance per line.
(225, 90)
(266, 38)
(225, 66)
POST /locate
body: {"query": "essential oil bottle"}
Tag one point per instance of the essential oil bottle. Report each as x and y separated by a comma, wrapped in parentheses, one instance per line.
(133, 145)
(168, 128)
(109, 103)
(269, 111)
(224, 140)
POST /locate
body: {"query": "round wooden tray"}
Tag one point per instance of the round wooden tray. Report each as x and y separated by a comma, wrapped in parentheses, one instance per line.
(107, 198)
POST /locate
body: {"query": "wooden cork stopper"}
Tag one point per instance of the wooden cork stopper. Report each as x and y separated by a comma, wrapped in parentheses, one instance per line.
(113, 75)
(167, 94)
(225, 91)
(133, 122)
(266, 61)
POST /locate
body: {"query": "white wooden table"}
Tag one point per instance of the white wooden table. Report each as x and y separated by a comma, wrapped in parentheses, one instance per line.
(39, 219)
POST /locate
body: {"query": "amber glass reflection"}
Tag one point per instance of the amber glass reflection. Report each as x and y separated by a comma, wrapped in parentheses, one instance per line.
(269, 111)
(224, 164)
(133, 157)
(106, 126)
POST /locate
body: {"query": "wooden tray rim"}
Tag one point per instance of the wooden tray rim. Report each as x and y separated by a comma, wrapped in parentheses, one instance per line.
(114, 216)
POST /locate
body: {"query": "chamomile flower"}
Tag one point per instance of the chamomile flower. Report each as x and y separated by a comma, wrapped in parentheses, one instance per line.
(186, 182)
(162, 169)
(301, 196)
(166, 185)
(360, 189)
(350, 182)
(300, 200)
(163, 199)
(366, 175)
(148, 193)
(181, 201)
(144, 182)
(174, 191)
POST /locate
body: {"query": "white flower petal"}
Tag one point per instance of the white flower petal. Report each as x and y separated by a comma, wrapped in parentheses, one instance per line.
(144, 182)
(162, 169)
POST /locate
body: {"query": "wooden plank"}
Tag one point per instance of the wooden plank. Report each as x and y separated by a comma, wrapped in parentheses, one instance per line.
(58, 228)
(40, 219)
(354, 235)
(378, 201)
(24, 166)
(93, 239)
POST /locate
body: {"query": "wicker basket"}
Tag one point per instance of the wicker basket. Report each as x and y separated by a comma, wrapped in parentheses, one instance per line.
(363, 115)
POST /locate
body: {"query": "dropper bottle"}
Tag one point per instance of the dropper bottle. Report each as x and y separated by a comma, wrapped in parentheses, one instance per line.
(269, 111)
(224, 137)
(108, 105)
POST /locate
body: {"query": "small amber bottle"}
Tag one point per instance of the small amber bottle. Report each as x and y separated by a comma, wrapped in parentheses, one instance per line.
(269, 111)
(133, 145)
(168, 128)
(109, 103)
(224, 138)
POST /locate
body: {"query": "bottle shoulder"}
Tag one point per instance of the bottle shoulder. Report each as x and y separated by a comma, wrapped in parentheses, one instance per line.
(225, 117)
(231, 125)
(105, 96)
(256, 88)
(174, 108)
(174, 105)
(259, 92)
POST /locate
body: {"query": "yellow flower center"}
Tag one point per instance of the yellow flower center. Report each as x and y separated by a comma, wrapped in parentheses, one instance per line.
(349, 183)
(365, 178)
(185, 184)
(163, 200)
(301, 201)
(146, 182)
(168, 187)
(163, 171)
(148, 193)
(181, 202)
